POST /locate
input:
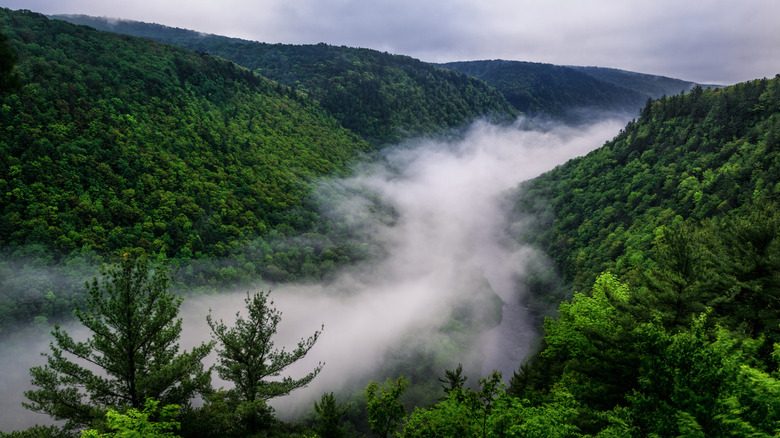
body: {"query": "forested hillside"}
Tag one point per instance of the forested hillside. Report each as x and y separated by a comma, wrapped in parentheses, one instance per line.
(116, 142)
(547, 89)
(695, 156)
(666, 241)
(652, 86)
(672, 234)
(380, 96)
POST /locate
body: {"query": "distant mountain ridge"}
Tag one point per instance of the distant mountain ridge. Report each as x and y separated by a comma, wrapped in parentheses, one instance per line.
(559, 91)
(382, 97)
(653, 86)
(385, 97)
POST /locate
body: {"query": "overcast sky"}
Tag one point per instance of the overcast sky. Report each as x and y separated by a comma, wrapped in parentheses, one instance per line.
(707, 41)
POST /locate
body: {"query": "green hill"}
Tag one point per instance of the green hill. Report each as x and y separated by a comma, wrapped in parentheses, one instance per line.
(672, 233)
(116, 143)
(704, 154)
(652, 86)
(535, 88)
(380, 96)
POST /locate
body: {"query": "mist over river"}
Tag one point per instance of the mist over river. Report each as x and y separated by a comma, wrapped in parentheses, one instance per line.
(446, 240)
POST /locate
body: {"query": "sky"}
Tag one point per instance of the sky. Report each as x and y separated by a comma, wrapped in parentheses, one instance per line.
(705, 41)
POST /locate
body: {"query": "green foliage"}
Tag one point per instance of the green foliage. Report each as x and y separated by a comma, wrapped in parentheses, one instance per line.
(247, 358)
(119, 142)
(133, 320)
(632, 378)
(704, 154)
(491, 412)
(9, 79)
(152, 422)
(330, 413)
(116, 143)
(382, 97)
(453, 379)
(551, 90)
(385, 411)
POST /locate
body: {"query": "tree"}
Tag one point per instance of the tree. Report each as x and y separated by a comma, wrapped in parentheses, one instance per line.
(330, 413)
(685, 280)
(9, 78)
(132, 354)
(492, 412)
(453, 380)
(153, 422)
(248, 359)
(384, 410)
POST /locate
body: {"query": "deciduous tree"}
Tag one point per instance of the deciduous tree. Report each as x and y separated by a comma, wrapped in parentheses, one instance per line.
(385, 412)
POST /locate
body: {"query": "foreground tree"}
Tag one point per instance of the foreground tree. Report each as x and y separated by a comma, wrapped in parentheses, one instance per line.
(154, 421)
(131, 356)
(330, 412)
(385, 411)
(247, 358)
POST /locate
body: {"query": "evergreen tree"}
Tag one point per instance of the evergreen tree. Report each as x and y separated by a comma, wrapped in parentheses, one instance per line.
(453, 379)
(248, 359)
(330, 413)
(132, 354)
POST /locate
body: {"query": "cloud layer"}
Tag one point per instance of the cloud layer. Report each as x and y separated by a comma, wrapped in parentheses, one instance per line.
(716, 41)
(443, 249)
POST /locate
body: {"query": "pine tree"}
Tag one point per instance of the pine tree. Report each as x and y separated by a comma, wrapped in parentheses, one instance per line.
(248, 359)
(131, 355)
(330, 412)
(453, 379)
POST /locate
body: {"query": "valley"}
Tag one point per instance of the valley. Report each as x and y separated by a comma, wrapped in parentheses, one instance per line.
(606, 241)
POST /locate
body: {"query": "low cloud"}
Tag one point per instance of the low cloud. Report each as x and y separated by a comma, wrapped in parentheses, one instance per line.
(433, 207)
(444, 247)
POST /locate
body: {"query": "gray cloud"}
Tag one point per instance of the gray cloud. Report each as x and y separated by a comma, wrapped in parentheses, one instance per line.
(721, 41)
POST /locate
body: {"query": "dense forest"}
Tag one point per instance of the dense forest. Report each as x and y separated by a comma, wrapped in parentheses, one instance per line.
(707, 154)
(651, 86)
(117, 143)
(660, 313)
(671, 233)
(547, 89)
(382, 97)
(569, 93)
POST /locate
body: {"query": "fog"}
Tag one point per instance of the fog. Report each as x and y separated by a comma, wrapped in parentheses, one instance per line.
(444, 247)
(444, 251)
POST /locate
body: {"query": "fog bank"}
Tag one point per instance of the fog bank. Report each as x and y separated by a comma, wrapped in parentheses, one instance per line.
(444, 250)
(444, 254)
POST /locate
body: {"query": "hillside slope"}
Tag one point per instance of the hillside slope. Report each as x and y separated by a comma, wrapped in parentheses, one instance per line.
(670, 234)
(117, 143)
(380, 96)
(535, 88)
(652, 86)
(121, 142)
(705, 154)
